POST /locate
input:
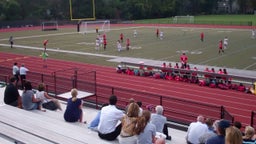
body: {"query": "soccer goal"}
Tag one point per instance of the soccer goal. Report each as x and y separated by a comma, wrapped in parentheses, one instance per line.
(183, 19)
(49, 25)
(94, 26)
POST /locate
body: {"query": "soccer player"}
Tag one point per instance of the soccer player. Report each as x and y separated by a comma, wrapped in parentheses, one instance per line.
(161, 35)
(157, 32)
(225, 42)
(202, 36)
(97, 44)
(121, 37)
(221, 47)
(97, 29)
(105, 43)
(127, 44)
(253, 33)
(45, 43)
(135, 33)
(11, 41)
(119, 46)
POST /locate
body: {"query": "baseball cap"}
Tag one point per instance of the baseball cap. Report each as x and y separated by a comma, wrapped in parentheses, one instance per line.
(224, 124)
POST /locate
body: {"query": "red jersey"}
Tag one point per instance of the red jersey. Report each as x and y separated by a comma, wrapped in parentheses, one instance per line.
(121, 36)
(183, 58)
(220, 44)
(127, 42)
(45, 42)
(105, 41)
(104, 36)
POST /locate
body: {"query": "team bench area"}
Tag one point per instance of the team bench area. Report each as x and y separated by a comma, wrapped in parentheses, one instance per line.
(241, 83)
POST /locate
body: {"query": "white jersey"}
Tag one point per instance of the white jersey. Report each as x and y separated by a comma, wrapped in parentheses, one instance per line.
(225, 41)
(135, 33)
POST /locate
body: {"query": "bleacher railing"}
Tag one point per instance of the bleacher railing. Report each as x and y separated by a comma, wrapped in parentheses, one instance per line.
(253, 119)
(176, 109)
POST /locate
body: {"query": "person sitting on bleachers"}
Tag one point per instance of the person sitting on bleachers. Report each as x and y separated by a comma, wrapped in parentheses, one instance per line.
(196, 130)
(11, 94)
(110, 116)
(73, 112)
(147, 133)
(129, 122)
(248, 138)
(220, 137)
(140, 105)
(48, 102)
(29, 102)
(160, 121)
(95, 122)
(210, 133)
(253, 89)
(194, 78)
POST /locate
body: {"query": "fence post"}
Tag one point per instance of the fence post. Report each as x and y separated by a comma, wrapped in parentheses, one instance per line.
(42, 78)
(221, 112)
(161, 100)
(252, 117)
(55, 86)
(112, 91)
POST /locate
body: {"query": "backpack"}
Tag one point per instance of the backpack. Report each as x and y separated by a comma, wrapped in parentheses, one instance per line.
(50, 105)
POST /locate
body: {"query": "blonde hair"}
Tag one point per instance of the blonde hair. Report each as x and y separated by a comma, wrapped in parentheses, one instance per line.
(233, 136)
(133, 110)
(249, 132)
(74, 93)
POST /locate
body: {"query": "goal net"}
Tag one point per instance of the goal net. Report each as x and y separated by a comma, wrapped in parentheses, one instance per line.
(91, 26)
(49, 25)
(183, 19)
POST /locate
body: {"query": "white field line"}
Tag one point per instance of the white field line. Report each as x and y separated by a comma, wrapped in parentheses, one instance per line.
(61, 51)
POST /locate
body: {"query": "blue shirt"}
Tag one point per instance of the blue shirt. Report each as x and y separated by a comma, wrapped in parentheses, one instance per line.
(219, 139)
(73, 111)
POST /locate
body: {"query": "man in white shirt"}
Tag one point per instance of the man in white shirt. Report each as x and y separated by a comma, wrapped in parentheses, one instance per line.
(196, 130)
(23, 73)
(109, 118)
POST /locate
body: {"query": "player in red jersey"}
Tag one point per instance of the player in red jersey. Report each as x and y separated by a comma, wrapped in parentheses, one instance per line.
(202, 36)
(183, 60)
(104, 43)
(221, 47)
(157, 32)
(121, 37)
(127, 44)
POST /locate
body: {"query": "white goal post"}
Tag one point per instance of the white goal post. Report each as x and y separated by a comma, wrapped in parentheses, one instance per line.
(91, 26)
(183, 19)
(49, 25)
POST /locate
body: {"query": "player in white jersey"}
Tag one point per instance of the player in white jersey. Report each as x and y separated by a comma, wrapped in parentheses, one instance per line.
(135, 33)
(225, 42)
(97, 44)
(161, 35)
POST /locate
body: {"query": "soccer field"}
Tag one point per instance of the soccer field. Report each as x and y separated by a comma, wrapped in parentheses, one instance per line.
(240, 54)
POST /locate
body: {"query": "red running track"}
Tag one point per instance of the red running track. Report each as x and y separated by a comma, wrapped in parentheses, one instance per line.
(237, 103)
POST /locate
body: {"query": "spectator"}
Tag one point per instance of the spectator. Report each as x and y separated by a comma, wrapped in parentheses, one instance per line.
(16, 73)
(131, 100)
(109, 118)
(196, 130)
(11, 94)
(248, 138)
(29, 102)
(23, 73)
(148, 130)
(48, 102)
(210, 133)
(129, 133)
(160, 121)
(220, 137)
(233, 136)
(95, 122)
(238, 125)
(73, 112)
(140, 105)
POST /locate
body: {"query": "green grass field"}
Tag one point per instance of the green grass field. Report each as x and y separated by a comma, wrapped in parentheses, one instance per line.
(241, 52)
(207, 19)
